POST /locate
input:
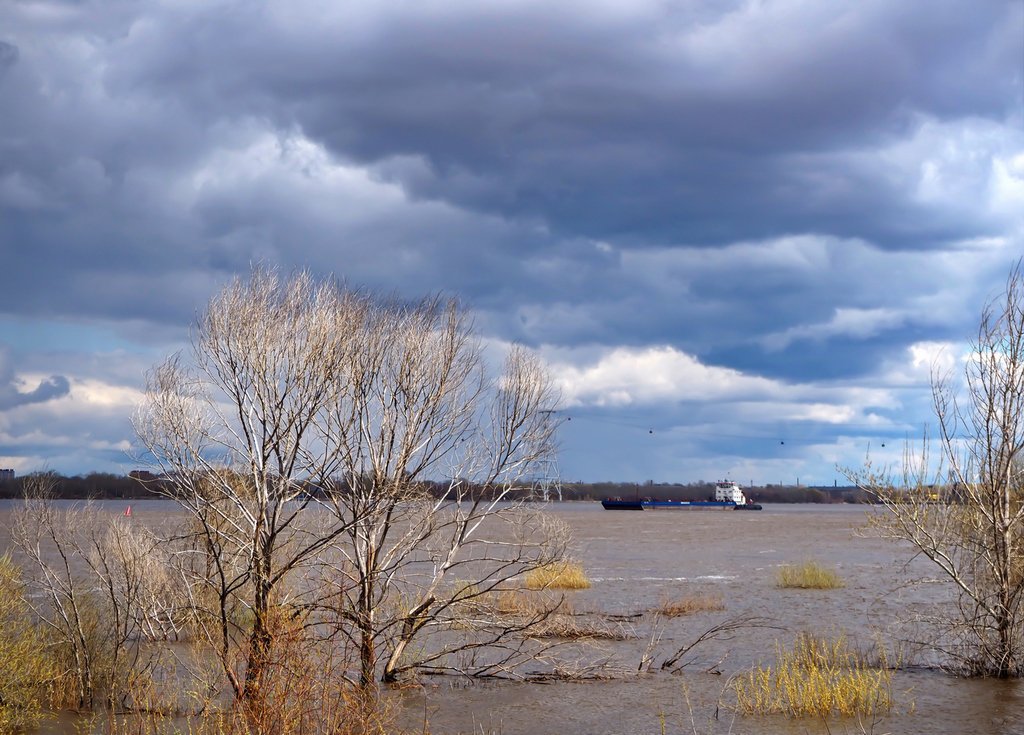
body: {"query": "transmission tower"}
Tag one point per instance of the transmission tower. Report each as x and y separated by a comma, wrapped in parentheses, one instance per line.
(547, 478)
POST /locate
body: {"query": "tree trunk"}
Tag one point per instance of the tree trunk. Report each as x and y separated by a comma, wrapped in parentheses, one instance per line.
(367, 633)
(1005, 665)
(413, 622)
(367, 649)
(261, 639)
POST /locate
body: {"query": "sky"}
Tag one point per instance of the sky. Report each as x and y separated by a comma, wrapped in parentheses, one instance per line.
(741, 233)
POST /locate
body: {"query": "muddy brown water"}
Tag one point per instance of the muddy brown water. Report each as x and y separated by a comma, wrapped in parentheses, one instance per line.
(638, 560)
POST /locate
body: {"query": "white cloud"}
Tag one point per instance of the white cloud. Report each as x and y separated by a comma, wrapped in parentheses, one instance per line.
(626, 376)
(973, 167)
(918, 362)
(1007, 185)
(90, 422)
(926, 357)
(661, 376)
(96, 393)
(846, 322)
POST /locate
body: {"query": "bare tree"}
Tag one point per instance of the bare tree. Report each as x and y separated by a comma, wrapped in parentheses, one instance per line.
(967, 515)
(300, 435)
(236, 435)
(420, 405)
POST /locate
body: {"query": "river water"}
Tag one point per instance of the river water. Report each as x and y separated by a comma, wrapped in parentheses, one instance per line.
(638, 560)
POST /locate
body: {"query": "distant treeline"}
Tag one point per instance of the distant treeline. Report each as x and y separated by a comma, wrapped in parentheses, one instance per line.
(143, 485)
(94, 485)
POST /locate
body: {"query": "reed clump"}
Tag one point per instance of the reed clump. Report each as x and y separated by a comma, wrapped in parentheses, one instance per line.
(690, 605)
(808, 576)
(817, 677)
(564, 575)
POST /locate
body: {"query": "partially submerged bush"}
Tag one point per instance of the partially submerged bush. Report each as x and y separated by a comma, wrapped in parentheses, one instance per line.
(563, 575)
(523, 603)
(808, 576)
(542, 613)
(86, 574)
(25, 669)
(571, 627)
(307, 691)
(818, 678)
(690, 604)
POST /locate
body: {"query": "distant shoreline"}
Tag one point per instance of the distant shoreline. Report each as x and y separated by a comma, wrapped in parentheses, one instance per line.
(138, 486)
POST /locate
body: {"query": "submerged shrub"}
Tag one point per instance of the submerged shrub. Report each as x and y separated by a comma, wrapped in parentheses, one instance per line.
(818, 678)
(564, 575)
(570, 627)
(25, 670)
(690, 604)
(519, 603)
(307, 691)
(808, 576)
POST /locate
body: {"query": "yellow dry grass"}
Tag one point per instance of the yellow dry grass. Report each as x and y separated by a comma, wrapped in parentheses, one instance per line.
(817, 677)
(808, 576)
(564, 575)
(26, 669)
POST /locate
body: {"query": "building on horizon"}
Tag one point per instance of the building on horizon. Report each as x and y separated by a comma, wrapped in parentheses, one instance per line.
(6, 475)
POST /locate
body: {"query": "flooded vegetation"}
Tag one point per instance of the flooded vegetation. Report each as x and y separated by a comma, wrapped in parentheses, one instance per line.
(683, 616)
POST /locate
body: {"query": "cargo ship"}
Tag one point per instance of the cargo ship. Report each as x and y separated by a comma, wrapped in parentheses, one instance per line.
(728, 496)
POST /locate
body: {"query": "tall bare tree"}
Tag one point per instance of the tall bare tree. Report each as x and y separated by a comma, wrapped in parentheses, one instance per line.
(421, 406)
(235, 432)
(967, 516)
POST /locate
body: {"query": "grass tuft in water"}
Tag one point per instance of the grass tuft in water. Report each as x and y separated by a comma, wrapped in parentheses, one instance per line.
(565, 575)
(808, 576)
(818, 678)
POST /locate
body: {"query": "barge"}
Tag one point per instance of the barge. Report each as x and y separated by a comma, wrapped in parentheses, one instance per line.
(728, 496)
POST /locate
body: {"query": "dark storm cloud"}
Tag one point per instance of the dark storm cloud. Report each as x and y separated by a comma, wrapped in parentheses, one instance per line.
(8, 56)
(797, 190)
(12, 395)
(800, 308)
(55, 386)
(644, 126)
